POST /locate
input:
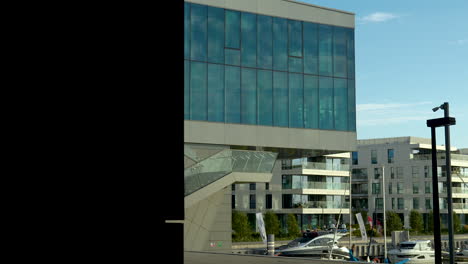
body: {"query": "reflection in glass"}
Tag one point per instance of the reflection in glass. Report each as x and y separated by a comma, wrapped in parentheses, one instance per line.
(341, 104)
(232, 86)
(310, 48)
(265, 97)
(215, 35)
(280, 99)
(249, 39)
(232, 36)
(198, 90)
(215, 92)
(325, 50)
(326, 103)
(198, 34)
(265, 42)
(249, 96)
(295, 38)
(339, 52)
(280, 44)
(296, 100)
(311, 101)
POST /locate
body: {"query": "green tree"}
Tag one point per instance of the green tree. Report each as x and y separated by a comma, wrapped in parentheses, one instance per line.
(430, 221)
(393, 222)
(457, 227)
(240, 225)
(272, 224)
(293, 227)
(416, 221)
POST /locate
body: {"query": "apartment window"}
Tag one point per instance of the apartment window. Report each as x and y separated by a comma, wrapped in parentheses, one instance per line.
(287, 200)
(393, 203)
(392, 172)
(375, 188)
(268, 201)
(401, 204)
(415, 203)
(415, 188)
(428, 203)
(354, 156)
(426, 171)
(376, 173)
(390, 154)
(233, 202)
(233, 187)
(400, 188)
(399, 172)
(427, 187)
(253, 186)
(374, 156)
(287, 182)
(378, 203)
(253, 201)
(415, 171)
(267, 186)
(390, 187)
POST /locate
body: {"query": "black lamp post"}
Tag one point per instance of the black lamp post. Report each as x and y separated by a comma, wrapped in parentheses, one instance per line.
(446, 121)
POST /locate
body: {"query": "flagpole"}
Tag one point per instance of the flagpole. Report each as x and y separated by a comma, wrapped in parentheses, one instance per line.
(384, 220)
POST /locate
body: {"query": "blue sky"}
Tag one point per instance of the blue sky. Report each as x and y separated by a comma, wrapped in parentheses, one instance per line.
(411, 55)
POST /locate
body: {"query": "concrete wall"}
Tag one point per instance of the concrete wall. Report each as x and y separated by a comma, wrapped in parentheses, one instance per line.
(286, 9)
(207, 224)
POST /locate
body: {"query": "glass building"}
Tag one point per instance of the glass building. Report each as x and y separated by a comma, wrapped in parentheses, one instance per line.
(269, 114)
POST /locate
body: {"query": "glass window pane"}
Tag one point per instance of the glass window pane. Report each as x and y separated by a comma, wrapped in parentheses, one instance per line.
(295, 38)
(339, 52)
(186, 31)
(295, 64)
(265, 97)
(186, 90)
(311, 101)
(351, 106)
(232, 57)
(325, 50)
(280, 99)
(350, 52)
(296, 100)
(215, 34)
(280, 44)
(341, 104)
(249, 39)
(310, 48)
(198, 34)
(265, 42)
(216, 92)
(232, 36)
(232, 86)
(326, 103)
(198, 91)
(249, 96)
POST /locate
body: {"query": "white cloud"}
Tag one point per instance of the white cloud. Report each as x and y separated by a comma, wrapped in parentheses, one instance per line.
(392, 113)
(378, 17)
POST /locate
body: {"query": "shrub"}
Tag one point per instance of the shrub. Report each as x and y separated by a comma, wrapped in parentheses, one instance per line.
(272, 224)
(416, 221)
(293, 227)
(393, 222)
(240, 225)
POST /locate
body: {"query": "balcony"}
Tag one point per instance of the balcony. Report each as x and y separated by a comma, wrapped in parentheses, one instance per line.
(321, 168)
(322, 205)
(440, 156)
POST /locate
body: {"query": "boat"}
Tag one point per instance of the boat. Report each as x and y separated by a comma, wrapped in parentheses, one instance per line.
(313, 244)
(418, 251)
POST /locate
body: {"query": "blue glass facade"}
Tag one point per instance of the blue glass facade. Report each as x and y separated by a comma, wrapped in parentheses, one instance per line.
(246, 68)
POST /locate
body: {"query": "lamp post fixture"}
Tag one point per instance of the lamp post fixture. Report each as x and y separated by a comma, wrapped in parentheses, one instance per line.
(446, 121)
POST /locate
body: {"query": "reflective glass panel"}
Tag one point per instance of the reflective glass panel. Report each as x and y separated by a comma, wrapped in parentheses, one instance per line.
(198, 91)
(280, 99)
(265, 42)
(310, 48)
(186, 30)
(295, 38)
(232, 89)
(198, 32)
(265, 97)
(249, 39)
(232, 56)
(351, 106)
(296, 100)
(339, 52)
(325, 50)
(215, 34)
(280, 44)
(311, 101)
(350, 52)
(216, 92)
(232, 37)
(326, 103)
(186, 89)
(341, 104)
(249, 96)
(295, 64)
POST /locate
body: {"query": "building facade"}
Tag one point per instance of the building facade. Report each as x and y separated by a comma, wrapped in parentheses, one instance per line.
(407, 165)
(269, 85)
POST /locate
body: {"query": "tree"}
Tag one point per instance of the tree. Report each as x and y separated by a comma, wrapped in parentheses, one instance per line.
(416, 221)
(456, 223)
(240, 224)
(272, 224)
(393, 222)
(430, 221)
(293, 227)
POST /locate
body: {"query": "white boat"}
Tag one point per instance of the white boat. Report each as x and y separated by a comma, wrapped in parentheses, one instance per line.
(419, 251)
(314, 246)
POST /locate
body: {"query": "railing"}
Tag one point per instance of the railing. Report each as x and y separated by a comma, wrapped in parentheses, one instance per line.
(318, 166)
(454, 206)
(322, 205)
(225, 162)
(439, 156)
